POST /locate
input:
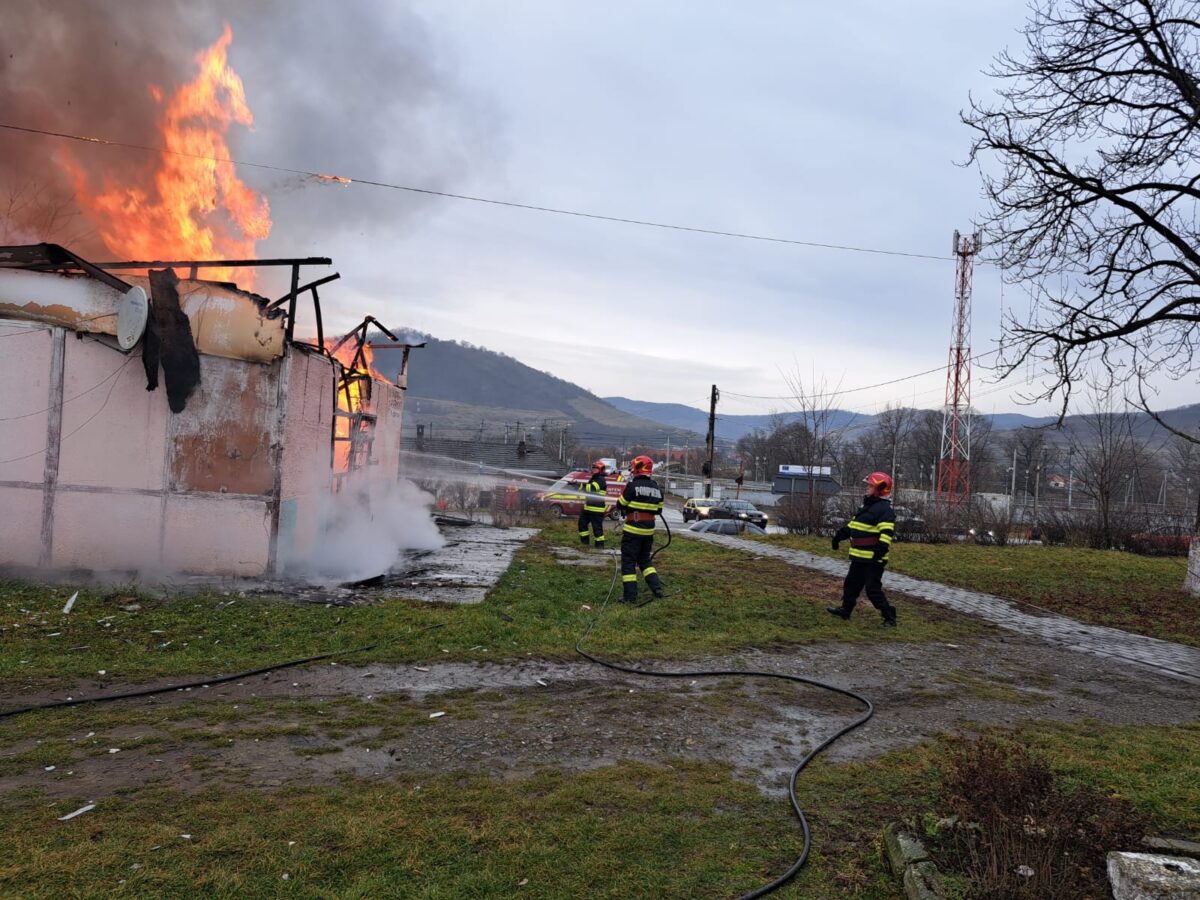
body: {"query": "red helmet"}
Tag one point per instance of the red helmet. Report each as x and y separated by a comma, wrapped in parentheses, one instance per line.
(598, 466)
(641, 465)
(879, 484)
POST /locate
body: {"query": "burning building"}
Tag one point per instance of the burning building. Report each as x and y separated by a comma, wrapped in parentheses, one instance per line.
(227, 467)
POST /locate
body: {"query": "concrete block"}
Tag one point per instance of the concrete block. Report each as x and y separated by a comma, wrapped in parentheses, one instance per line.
(1151, 876)
(902, 848)
(1171, 846)
(922, 882)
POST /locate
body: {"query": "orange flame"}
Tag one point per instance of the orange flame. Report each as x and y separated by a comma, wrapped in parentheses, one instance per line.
(198, 208)
(352, 396)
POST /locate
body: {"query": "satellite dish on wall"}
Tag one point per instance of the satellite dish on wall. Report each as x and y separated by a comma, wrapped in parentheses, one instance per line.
(132, 312)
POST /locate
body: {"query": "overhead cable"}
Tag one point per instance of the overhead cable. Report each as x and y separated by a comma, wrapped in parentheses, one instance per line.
(343, 180)
(866, 387)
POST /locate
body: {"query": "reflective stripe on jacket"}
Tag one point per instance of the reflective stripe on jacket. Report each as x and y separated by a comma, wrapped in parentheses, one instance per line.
(871, 530)
(596, 485)
(641, 501)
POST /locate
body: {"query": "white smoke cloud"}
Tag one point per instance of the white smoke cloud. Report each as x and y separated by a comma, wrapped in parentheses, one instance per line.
(365, 530)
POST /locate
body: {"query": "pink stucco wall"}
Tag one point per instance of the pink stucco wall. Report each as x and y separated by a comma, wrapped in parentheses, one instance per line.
(25, 362)
(112, 406)
(305, 478)
(141, 488)
(20, 525)
(138, 488)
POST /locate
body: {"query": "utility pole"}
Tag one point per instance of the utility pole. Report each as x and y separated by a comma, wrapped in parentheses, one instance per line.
(712, 427)
(1070, 473)
(1012, 489)
(1037, 484)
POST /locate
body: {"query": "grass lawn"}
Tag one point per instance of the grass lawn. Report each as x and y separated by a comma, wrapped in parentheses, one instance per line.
(720, 601)
(675, 828)
(628, 830)
(1142, 594)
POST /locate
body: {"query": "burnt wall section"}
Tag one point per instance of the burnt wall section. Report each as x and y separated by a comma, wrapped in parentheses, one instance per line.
(306, 477)
(221, 442)
(137, 488)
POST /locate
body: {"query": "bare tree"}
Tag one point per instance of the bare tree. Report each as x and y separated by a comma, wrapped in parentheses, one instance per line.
(32, 213)
(1095, 203)
(1108, 456)
(1183, 461)
(816, 413)
(889, 434)
(925, 445)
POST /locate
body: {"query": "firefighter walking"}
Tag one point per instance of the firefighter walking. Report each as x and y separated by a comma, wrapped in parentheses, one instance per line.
(591, 517)
(870, 533)
(640, 502)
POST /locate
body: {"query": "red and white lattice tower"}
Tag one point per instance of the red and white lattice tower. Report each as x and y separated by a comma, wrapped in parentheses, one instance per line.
(954, 467)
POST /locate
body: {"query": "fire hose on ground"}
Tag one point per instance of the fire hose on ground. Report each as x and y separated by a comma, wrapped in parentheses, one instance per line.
(617, 667)
(705, 673)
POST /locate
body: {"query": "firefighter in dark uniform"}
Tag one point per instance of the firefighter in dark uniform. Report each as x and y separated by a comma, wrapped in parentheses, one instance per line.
(640, 502)
(591, 517)
(870, 533)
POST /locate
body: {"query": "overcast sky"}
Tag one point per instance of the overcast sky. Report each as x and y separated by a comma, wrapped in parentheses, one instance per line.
(817, 122)
(830, 123)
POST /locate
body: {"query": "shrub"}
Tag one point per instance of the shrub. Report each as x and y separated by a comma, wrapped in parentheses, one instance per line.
(1028, 836)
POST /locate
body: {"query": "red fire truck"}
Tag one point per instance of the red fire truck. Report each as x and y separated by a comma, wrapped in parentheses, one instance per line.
(565, 496)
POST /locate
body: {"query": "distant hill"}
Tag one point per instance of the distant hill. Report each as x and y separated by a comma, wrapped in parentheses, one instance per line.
(456, 387)
(729, 427)
(732, 427)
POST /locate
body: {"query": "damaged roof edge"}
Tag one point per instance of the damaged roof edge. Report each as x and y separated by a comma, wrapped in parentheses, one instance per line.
(48, 284)
(49, 257)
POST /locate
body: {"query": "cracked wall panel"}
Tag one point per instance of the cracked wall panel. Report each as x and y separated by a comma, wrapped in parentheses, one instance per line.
(114, 430)
(207, 535)
(26, 354)
(105, 531)
(20, 525)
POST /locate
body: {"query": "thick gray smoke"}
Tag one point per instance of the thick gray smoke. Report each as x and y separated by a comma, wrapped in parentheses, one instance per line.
(352, 88)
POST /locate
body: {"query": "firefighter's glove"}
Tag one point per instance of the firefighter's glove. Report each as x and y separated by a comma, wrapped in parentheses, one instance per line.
(835, 543)
(880, 552)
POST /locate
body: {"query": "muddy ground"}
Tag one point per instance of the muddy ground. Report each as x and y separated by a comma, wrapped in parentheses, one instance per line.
(509, 720)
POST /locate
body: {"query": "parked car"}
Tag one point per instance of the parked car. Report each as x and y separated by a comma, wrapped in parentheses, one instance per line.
(738, 509)
(696, 508)
(908, 522)
(725, 526)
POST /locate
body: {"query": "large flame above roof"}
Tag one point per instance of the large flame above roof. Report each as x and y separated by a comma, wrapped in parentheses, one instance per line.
(191, 204)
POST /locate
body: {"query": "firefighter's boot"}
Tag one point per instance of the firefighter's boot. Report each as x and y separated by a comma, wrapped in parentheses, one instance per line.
(653, 581)
(837, 611)
(629, 589)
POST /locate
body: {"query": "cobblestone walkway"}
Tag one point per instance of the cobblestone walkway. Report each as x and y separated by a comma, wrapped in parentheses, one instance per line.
(1176, 660)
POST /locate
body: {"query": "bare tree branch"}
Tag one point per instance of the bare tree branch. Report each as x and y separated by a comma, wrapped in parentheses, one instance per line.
(1090, 159)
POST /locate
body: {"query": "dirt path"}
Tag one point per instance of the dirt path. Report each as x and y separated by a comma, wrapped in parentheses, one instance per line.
(509, 720)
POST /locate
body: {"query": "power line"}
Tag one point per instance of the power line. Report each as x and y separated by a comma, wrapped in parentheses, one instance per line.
(866, 387)
(624, 220)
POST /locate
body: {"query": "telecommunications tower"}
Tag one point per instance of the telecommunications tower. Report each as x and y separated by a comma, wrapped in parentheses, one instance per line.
(954, 466)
